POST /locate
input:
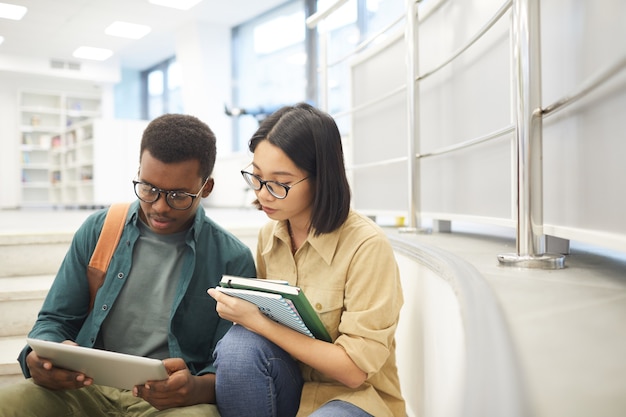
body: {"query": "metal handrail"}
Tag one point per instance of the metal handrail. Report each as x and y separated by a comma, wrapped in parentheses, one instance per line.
(528, 125)
(314, 20)
(411, 59)
(503, 9)
(588, 86)
(431, 11)
(367, 42)
(440, 151)
(371, 102)
(469, 143)
(375, 164)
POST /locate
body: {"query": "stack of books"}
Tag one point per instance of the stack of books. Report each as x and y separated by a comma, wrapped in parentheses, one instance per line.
(281, 302)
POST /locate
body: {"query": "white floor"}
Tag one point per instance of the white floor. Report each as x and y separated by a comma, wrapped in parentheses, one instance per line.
(567, 325)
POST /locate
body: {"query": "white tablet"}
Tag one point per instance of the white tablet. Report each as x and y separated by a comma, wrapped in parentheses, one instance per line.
(112, 369)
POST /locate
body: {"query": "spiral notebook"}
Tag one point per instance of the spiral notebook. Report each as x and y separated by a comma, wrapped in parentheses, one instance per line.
(281, 302)
(274, 306)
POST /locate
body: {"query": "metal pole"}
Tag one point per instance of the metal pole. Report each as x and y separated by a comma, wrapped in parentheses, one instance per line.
(527, 60)
(412, 114)
(323, 38)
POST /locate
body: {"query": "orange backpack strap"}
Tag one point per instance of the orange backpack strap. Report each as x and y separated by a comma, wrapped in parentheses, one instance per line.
(107, 242)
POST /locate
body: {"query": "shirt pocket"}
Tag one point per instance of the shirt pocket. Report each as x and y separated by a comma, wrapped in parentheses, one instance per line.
(328, 304)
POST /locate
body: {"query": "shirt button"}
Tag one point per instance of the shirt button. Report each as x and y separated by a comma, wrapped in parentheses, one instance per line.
(318, 306)
(105, 307)
(120, 275)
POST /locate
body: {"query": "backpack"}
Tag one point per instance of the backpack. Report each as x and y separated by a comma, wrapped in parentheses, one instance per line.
(107, 242)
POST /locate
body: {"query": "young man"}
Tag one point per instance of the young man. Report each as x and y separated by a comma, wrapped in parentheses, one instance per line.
(153, 301)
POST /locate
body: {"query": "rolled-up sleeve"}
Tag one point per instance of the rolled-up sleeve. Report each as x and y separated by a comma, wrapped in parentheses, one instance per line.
(372, 302)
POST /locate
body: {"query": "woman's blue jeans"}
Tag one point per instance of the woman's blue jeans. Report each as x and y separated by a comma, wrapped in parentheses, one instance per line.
(256, 378)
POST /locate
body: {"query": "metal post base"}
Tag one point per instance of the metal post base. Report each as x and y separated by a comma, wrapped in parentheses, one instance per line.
(545, 261)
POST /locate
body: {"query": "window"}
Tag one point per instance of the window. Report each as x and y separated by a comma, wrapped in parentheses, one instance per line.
(162, 89)
(275, 57)
(350, 25)
(269, 66)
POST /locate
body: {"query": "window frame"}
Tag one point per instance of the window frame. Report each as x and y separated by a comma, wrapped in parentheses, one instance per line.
(162, 66)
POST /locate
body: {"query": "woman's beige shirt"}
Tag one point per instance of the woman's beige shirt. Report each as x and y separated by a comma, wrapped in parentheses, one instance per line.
(352, 280)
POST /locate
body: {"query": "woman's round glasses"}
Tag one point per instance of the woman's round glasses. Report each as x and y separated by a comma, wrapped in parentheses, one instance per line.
(275, 188)
(178, 200)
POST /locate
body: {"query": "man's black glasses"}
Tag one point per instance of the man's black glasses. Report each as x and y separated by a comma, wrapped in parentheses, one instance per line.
(178, 200)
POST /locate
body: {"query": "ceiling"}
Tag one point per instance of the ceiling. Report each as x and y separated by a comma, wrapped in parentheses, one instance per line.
(53, 29)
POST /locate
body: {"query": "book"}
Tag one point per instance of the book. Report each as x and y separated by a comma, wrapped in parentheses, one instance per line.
(283, 303)
(274, 306)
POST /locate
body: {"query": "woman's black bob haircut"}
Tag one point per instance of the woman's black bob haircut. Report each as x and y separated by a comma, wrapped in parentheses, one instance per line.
(311, 139)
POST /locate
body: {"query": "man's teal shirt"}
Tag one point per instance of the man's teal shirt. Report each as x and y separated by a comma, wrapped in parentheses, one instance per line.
(194, 327)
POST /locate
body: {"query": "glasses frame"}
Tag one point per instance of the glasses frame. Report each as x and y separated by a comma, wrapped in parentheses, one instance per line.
(167, 194)
(263, 182)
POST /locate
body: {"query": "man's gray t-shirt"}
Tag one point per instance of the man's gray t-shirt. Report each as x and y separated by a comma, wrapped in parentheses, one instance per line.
(138, 321)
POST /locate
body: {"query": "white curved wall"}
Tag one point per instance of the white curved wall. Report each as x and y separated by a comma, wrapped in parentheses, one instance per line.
(430, 343)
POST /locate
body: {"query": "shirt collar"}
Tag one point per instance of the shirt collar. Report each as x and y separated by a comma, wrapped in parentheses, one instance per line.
(198, 222)
(325, 244)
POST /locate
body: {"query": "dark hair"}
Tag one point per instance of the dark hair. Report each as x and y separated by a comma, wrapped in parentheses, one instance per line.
(311, 139)
(178, 137)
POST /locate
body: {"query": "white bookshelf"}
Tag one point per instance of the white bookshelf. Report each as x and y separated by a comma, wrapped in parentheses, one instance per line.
(47, 122)
(72, 166)
(72, 158)
(96, 164)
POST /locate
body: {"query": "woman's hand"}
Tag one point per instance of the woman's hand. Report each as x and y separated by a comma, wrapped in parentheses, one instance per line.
(238, 311)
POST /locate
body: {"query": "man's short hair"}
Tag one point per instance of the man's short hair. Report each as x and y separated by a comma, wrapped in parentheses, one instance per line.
(178, 137)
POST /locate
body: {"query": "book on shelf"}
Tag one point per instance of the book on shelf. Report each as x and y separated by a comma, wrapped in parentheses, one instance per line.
(27, 138)
(55, 141)
(280, 301)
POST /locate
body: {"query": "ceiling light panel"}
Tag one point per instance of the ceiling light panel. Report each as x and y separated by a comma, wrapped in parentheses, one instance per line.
(176, 4)
(12, 11)
(91, 53)
(127, 30)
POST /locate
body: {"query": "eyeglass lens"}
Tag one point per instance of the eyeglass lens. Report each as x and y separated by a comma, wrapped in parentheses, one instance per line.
(150, 194)
(274, 188)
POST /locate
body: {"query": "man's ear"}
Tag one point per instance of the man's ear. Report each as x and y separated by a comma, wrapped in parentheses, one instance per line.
(208, 188)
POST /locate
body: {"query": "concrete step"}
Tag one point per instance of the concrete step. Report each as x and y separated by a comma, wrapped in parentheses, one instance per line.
(20, 301)
(27, 254)
(28, 264)
(10, 347)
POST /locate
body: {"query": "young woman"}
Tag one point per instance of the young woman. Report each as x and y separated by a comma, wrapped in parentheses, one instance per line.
(344, 264)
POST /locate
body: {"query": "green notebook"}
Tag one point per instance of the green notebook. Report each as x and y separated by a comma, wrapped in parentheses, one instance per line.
(291, 308)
